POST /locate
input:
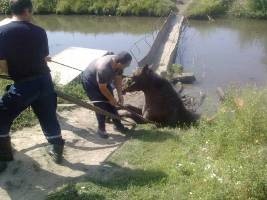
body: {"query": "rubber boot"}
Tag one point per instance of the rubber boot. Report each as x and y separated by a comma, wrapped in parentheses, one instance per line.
(6, 154)
(56, 151)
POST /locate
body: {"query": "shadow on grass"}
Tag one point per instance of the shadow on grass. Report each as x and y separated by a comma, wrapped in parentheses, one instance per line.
(25, 178)
(117, 177)
(89, 134)
(72, 193)
(153, 135)
(108, 176)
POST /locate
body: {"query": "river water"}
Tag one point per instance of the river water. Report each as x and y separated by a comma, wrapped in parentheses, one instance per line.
(225, 52)
(220, 53)
(106, 33)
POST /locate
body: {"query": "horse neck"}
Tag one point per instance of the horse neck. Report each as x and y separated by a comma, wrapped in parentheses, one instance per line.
(150, 94)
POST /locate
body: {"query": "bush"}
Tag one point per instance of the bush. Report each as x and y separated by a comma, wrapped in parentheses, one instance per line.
(64, 7)
(81, 7)
(237, 8)
(163, 7)
(44, 6)
(100, 7)
(257, 8)
(203, 8)
(145, 7)
(106, 7)
(103, 7)
(4, 7)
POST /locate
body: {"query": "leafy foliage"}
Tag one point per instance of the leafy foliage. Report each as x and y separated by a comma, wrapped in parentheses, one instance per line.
(100, 7)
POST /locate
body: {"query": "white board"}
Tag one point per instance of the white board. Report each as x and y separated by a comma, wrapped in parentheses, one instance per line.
(75, 57)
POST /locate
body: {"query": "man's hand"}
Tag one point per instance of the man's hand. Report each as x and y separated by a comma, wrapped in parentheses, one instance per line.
(105, 91)
(113, 102)
(118, 85)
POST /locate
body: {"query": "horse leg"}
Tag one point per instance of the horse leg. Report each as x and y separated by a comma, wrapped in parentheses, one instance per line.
(129, 114)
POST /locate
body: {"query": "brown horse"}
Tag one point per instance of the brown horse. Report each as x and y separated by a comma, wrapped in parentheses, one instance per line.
(163, 104)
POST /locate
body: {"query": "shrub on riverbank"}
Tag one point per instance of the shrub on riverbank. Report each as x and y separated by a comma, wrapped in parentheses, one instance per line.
(204, 8)
(236, 8)
(249, 8)
(116, 7)
(100, 7)
(44, 6)
(223, 159)
(4, 6)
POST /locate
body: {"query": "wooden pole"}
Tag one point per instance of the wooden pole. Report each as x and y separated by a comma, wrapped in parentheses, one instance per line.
(136, 115)
(88, 106)
(80, 103)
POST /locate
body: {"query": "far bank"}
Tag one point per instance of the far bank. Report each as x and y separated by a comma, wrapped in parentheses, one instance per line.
(100, 7)
(206, 9)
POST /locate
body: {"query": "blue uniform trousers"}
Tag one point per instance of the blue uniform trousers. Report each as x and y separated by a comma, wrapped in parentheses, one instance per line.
(37, 92)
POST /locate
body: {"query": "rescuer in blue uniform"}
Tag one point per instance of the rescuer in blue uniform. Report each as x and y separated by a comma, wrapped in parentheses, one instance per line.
(24, 55)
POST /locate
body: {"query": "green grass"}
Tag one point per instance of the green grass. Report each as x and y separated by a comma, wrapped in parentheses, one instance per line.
(223, 159)
(100, 7)
(238, 8)
(75, 89)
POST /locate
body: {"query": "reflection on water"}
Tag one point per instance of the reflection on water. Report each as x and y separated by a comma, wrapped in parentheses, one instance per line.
(95, 25)
(107, 33)
(225, 52)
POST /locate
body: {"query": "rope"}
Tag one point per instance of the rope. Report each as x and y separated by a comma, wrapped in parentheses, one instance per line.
(81, 103)
(65, 65)
(129, 110)
(68, 66)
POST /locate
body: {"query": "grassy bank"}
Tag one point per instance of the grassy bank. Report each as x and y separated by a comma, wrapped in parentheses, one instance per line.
(237, 8)
(223, 159)
(101, 7)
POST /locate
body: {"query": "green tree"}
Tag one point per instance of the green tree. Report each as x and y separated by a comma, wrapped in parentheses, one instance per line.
(4, 7)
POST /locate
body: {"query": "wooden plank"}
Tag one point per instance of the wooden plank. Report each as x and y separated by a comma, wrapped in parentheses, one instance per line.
(79, 58)
(88, 106)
